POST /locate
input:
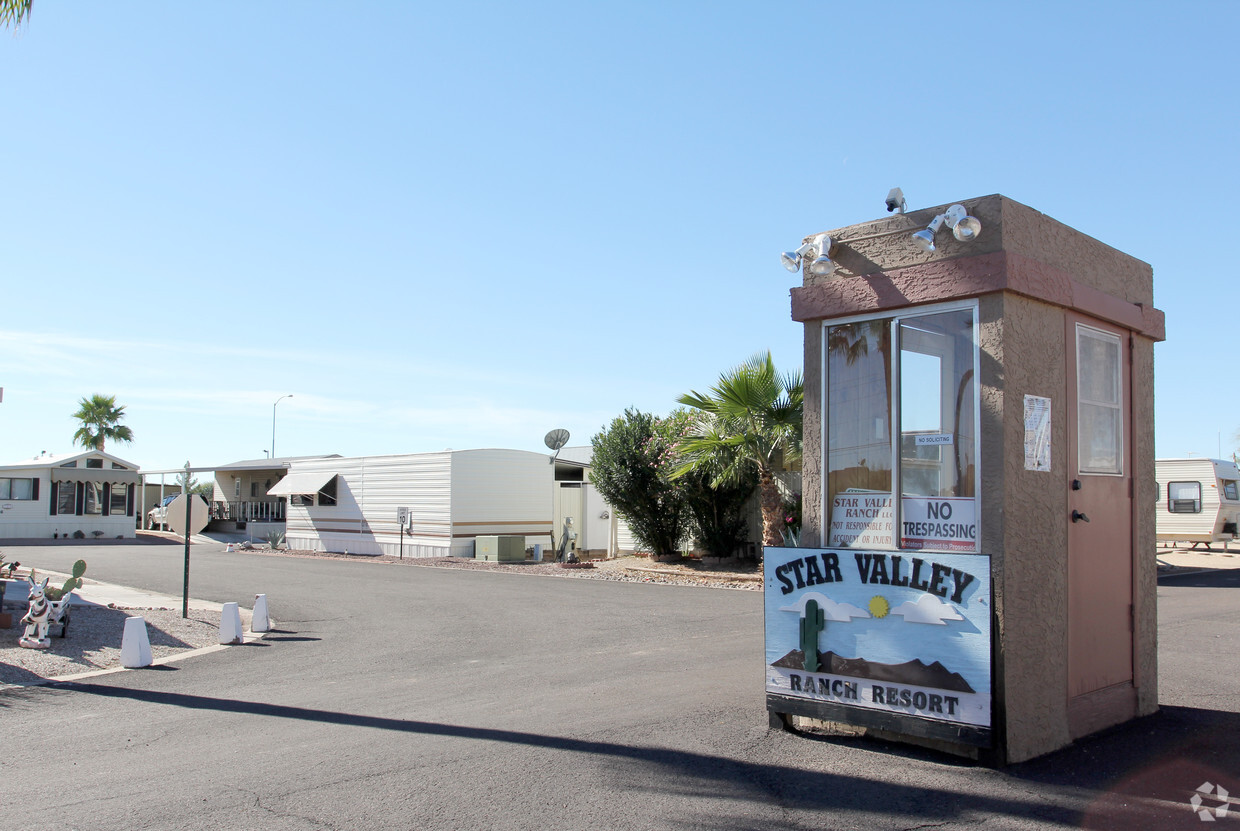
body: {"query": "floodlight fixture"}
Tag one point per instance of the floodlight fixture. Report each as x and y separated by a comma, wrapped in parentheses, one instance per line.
(925, 237)
(823, 265)
(792, 259)
(964, 227)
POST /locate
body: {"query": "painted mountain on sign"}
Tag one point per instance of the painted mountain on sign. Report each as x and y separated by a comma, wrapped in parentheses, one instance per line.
(913, 673)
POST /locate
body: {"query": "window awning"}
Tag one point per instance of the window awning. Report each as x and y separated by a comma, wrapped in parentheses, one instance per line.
(295, 483)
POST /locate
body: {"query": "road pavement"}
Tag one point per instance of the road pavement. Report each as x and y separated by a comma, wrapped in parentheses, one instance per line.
(397, 697)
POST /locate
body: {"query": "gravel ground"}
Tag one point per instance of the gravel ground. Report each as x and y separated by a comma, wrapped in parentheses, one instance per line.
(727, 574)
(94, 641)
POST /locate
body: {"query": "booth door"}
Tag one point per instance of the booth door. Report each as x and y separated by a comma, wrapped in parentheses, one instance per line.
(1100, 506)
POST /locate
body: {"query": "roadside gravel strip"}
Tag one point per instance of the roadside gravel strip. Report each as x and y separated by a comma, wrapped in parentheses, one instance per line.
(94, 641)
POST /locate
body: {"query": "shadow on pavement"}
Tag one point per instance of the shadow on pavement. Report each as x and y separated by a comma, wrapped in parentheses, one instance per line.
(1220, 579)
(1132, 777)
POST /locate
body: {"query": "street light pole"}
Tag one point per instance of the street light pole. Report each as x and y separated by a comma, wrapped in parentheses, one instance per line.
(186, 495)
(273, 423)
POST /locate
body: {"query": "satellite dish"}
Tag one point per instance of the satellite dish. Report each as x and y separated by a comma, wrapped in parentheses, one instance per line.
(556, 439)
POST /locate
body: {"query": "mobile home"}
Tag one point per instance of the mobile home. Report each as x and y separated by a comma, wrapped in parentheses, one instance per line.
(1198, 500)
(442, 501)
(89, 494)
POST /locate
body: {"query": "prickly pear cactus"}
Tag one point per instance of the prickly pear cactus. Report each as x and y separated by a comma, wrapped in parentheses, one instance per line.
(74, 582)
(813, 623)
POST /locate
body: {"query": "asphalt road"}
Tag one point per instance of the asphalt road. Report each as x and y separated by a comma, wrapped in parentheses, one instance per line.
(397, 697)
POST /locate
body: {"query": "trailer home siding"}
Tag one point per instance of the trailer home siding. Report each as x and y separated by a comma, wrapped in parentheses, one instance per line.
(369, 490)
(453, 497)
(499, 493)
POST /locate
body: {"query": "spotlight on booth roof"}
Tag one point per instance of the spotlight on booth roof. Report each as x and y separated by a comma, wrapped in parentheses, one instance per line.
(817, 249)
(820, 249)
(964, 227)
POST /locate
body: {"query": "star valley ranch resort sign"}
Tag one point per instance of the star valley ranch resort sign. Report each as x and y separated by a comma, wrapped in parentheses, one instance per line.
(881, 638)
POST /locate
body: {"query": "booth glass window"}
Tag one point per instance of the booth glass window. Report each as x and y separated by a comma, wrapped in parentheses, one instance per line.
(1230, 492)
(901, 406)
(1100, 438)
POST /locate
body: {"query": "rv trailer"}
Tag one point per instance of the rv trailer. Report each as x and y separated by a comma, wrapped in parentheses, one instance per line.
(1198, 501)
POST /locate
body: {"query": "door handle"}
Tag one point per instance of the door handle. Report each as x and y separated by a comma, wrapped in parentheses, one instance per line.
(1077, 516)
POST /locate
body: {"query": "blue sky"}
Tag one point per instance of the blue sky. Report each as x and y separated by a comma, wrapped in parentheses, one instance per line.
(463, 225)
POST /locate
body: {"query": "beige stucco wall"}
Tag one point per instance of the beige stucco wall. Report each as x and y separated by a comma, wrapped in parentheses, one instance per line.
(1025, 514)
(1029, 548)
(1144, 534)
(811, 467)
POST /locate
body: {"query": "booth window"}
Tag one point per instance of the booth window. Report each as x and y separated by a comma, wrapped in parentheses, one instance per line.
(1100, 435)
(1230, 491)
(1184, 497)
(901, 407)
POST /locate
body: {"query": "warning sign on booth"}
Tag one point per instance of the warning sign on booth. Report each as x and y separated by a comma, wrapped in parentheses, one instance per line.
(865, 518)
(942, 523)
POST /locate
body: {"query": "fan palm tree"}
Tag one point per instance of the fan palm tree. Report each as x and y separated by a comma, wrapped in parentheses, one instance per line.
(13, 12)
(750, 422)
(100, 419)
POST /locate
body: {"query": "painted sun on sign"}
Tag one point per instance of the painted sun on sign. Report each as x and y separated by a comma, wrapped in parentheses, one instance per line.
(908, 632)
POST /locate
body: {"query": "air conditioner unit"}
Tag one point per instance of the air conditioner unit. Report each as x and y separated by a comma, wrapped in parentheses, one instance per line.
(505, 549)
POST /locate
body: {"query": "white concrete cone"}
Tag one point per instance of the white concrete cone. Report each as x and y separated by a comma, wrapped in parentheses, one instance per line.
(260, 622)
(135, 645)
(230, 623)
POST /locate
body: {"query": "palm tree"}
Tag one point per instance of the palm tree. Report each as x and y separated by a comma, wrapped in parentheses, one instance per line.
(100, 419)
(13, 12)
(751, 420)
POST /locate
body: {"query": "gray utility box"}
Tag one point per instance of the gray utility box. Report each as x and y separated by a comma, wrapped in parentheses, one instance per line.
(509, 549)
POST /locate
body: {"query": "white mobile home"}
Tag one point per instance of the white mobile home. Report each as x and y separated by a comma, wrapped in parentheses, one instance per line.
(87, 494)
(452, 497)
(1198, 500)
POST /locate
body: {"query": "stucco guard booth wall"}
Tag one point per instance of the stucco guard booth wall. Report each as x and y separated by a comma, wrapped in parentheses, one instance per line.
(1004, 605)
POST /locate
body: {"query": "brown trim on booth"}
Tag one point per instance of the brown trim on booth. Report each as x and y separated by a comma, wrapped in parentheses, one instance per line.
(965, 277)
(1099, 709)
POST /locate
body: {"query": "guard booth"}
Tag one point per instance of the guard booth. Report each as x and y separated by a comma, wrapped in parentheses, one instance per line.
(979, 568)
